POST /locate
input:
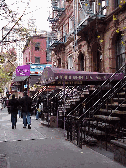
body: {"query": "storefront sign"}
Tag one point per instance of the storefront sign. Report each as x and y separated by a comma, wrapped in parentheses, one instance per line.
(37, 69)
(23, 70)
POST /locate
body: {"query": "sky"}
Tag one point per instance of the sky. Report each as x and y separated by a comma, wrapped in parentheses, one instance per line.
(37, 10)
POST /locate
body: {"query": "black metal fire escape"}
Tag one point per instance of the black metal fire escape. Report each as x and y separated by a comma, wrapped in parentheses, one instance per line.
(57, 12)
(88, 13)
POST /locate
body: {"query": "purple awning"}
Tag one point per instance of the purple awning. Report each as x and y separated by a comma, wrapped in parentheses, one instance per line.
(56, 76)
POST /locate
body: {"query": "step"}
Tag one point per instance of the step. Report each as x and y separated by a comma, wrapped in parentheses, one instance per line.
(115, 105)
(99, 125)
(92, 89)
(109, 118)
(95, 131)
(113, 111)
(122, 93)
(98, 132)
(67, 106)
(85, 92)
(118, 112)
(90, 139)
(105, 110)
(116, 99)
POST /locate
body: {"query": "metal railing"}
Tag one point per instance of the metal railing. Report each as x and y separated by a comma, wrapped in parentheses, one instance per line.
(100, 101)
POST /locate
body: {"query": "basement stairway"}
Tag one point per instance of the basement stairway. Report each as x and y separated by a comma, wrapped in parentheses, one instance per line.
(104, 117)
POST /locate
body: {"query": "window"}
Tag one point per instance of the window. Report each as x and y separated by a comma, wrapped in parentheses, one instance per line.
(70, 62)
(120, 52)
(71, 25)
(37, 46)
(37, 60)
(117, 2)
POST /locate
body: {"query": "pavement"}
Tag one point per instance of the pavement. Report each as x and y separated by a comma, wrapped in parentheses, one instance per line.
(43, 147)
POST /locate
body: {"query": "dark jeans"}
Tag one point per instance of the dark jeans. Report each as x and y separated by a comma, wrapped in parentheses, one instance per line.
(13, 119)
(26, 115)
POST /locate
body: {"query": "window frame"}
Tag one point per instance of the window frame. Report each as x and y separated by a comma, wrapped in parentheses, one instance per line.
(36, 61)
(120, 51)
(37, 46)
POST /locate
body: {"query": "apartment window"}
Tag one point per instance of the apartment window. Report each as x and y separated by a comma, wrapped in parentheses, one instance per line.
(70, 25)
(37, 60)
(37, 46)
(120, 52)
(117, 2)
(70, 62)
(93, 7)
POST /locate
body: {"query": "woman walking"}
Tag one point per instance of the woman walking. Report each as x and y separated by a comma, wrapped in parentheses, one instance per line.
(13, 103)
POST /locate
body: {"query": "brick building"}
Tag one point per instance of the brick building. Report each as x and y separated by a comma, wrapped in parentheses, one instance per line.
(35, 50)
(88, 35)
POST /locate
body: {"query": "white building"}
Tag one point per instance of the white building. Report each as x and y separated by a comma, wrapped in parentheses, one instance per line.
(13, 39)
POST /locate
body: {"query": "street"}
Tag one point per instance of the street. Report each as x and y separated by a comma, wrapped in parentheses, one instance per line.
(43, 147)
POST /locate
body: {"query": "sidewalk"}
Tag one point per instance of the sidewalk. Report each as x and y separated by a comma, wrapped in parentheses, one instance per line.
(45, 147)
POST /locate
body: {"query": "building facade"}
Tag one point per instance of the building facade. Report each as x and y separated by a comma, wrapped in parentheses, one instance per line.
(88, 35)
(13, 40)
(35, 50)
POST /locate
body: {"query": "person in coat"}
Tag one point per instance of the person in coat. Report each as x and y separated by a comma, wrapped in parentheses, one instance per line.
(1, 103)
(13, 103)
(26, 103)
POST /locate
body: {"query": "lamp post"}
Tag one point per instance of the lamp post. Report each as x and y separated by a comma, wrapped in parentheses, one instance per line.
(64, 109)
(47, 103)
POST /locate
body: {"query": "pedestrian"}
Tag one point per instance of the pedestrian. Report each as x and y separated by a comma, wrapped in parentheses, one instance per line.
(19, 108)
(1, 103)
(13, 104)
(39, 107)
(26, 103)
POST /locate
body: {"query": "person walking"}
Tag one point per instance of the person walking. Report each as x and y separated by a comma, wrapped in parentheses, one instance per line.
(26, 103)
(1, 103)
(38, 108)
(13, 103)
(19, 109)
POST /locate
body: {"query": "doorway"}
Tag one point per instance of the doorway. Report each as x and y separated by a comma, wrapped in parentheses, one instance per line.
(81, 62)
(96, 58)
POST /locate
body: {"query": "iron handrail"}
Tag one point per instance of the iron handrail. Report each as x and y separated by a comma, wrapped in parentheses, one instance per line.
(97, 91)
(104, 100)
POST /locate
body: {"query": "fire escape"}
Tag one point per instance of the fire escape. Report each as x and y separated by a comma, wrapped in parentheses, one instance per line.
(90, 12)
(57, 12)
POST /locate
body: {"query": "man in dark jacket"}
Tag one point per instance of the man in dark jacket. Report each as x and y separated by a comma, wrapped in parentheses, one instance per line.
(26, 103)
(13, 103)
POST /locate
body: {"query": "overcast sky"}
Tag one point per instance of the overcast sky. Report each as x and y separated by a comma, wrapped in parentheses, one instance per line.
(38, 10)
